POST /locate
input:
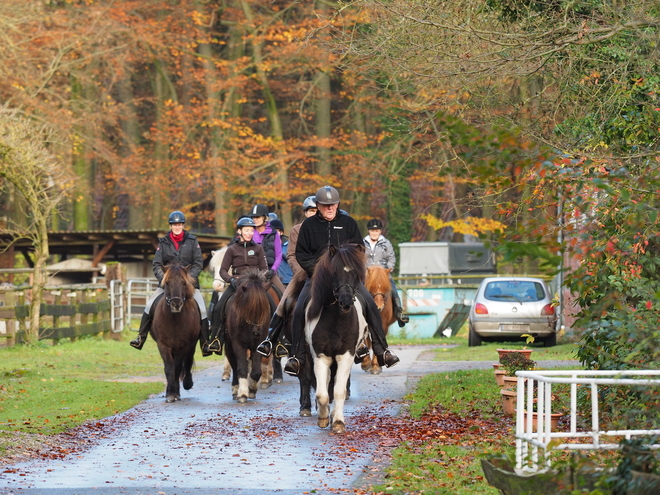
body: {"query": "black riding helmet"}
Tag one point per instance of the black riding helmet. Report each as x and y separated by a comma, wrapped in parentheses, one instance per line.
(177, 217)
(259, 210)
(374, 224)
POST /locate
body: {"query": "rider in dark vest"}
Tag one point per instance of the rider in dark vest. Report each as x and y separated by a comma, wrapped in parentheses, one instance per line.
(270, 241)
(181, 247)
(330, 227)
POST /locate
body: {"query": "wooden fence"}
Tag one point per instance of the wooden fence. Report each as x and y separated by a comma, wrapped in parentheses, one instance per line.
(65, 312)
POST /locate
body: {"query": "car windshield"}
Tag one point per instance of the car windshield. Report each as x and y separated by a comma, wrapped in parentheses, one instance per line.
(514, 290)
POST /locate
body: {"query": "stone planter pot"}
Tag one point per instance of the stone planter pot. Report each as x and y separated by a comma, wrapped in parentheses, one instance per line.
(499, 377)
(526, 352)
(509, 400)
(554, 420)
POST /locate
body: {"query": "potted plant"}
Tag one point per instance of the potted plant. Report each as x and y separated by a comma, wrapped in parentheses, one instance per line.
(529, 339)
(512, 362)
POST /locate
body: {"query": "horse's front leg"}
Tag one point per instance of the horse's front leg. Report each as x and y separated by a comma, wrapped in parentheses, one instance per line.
(344, 364)
(255, 375)
(322, 371)
(172, 389)
(240, 372)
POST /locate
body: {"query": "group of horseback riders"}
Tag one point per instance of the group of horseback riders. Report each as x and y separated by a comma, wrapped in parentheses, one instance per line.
(258, 244)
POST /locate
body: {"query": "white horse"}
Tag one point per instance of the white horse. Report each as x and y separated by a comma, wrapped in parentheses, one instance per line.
(214, 267)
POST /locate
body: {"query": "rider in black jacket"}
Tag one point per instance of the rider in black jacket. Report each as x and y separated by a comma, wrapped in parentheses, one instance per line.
(181, 247)
(330, 227)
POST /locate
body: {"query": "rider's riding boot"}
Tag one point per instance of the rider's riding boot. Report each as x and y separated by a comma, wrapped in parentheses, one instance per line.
(145, 326)
(216, 343)
(204, 337)
(388, 359)
(276, 325)
(361, 353)
(283, 348)
(293, 366)
(398, 310)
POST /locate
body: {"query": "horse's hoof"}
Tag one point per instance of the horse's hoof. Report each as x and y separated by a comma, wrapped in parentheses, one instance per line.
(242, 399)
(234, 397)
(323, 423)
(339, 427)
(188, 382)
(279, 381)
(306, 413)
(265, 385)
(366, 363)
(225, 378)
(252, 395)
(376, 371)
(171, 399)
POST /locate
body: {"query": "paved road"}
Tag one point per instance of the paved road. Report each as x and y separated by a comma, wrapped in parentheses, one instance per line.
(210, 444)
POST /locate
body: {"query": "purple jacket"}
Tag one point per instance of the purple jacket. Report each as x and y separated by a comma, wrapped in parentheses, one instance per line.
(272, 245)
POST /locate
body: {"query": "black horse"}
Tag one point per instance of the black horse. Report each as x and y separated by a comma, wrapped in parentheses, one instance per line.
(248, 315)
(334, 326)
(176, 328)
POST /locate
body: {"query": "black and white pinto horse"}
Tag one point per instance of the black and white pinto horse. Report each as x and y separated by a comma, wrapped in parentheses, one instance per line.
(334, 325)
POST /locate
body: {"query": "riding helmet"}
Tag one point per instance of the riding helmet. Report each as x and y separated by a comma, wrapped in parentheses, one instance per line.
(272, 216)
(259, 210)
(327, 195)
(277, 224)
(374, 224)
(310, 202)
(177, 217)
(245, 222)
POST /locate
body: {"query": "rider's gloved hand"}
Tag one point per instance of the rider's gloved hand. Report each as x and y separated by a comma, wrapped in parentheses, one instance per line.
(270, 273)
(233, 282)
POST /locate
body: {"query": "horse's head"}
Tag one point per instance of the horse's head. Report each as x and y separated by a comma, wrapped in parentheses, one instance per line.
(178, 287)
(378, 285)
(347, 266)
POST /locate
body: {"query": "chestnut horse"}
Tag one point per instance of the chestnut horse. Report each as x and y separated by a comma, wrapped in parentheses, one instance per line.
(176, 328)
(378, 285)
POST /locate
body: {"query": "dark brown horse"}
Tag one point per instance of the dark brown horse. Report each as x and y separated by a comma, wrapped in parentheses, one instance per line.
(175, 328)
(378, 285)
(248, 316)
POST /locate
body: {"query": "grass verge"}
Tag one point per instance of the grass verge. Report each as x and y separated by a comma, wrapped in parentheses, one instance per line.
(48, 389)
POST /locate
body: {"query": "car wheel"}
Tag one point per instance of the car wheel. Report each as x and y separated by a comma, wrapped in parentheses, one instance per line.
(551, 340)
(474, 339)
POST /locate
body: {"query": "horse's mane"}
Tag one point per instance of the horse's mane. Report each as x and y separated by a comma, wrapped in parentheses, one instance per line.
(349, 259)
(377, 276)
(174, 271)
(250, 299)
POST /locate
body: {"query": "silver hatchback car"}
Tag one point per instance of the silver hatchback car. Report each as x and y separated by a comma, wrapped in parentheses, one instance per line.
(505, 308)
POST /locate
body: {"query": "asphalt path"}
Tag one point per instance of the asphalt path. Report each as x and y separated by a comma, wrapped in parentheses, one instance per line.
(209, 444)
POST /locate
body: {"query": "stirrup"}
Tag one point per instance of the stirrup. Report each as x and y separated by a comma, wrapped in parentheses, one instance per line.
(361, 353)
(215, 345)
(293, 366)
(281, 350)
(265, 348)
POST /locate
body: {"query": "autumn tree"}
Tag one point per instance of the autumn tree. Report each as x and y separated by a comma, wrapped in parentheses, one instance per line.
(37, 176)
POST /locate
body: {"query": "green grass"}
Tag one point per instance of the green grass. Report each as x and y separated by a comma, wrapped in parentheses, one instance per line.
(442, 462)
(488, 350)
(49, 389)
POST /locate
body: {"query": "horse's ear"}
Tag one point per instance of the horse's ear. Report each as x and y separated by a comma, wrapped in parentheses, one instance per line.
(360, 247)
(187, 268)
(332, 250)
(213, 253)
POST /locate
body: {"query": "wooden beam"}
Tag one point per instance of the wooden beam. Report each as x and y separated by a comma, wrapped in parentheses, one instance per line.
(99, 256)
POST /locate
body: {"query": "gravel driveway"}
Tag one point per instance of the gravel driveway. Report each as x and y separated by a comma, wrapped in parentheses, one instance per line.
(209, 444)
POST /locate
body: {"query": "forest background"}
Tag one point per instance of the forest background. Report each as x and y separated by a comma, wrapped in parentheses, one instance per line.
(531, 124)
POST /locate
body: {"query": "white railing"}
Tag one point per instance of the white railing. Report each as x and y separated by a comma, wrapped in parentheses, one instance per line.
(138, 292)
(535, 441)
(116, 297)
